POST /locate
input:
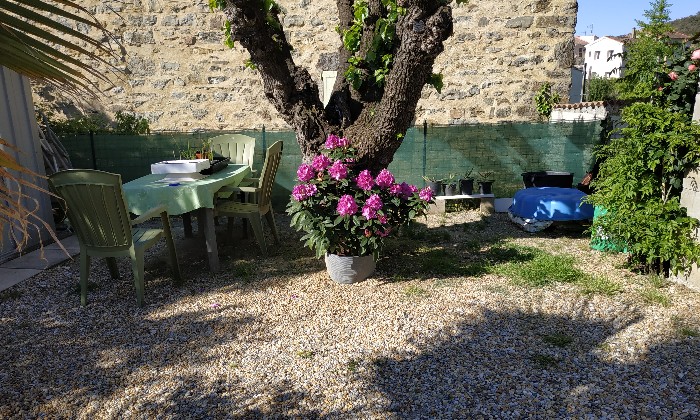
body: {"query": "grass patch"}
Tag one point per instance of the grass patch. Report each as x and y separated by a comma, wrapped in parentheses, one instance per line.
(306, 354)
(471, 245)
(352, 365)
(438, 236)
(657, 281)
(683, 329)
(655, 297)
(438, 261)
(415, 291)
(544, 360)
(10, 294)
(542, 269)
(686, 331)
(244, 269)
(594, 285)
(559, 340)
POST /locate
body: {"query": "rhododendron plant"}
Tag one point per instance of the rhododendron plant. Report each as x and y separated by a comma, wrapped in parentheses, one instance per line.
(346, 211)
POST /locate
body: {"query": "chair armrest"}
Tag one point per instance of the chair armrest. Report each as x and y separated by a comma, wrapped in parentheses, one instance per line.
(150, 213)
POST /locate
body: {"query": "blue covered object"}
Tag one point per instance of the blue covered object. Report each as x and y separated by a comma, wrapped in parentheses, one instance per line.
(551, 203)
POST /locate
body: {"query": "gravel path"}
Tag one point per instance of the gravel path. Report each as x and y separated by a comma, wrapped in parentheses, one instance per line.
(277, 338)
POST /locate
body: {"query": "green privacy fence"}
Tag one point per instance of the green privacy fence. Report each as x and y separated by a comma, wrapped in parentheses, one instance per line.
(506, 149)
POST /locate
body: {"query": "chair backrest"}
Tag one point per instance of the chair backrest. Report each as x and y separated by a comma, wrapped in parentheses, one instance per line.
(268, 173)
(238, 147)
(96, 207)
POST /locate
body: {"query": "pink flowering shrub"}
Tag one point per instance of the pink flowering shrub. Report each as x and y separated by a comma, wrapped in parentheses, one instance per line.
(680, 84)
(345, 211)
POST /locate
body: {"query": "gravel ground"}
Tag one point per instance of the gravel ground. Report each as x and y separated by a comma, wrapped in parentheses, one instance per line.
(277, 338)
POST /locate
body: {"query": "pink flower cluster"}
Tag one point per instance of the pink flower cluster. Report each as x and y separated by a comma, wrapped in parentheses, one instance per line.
(346, 205)
(695, 56)
(334, 141)
(304, 191)
(347, 210)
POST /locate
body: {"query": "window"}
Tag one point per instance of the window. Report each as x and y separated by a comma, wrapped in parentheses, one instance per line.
(589, 53)
(610, 53)
(596, 56)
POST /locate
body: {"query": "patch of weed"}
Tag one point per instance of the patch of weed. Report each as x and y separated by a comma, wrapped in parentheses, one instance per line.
(353, 365)
(438, 236)
(440, 262)
(683, 329)
(655, 297)
(656, 281)
(244, 269)
(544, 360)
(471, 245)
(558, 339)
(542, 270)
(306, 354)
(595, 285)
(415, 291)
(10, 294)
(687, 331)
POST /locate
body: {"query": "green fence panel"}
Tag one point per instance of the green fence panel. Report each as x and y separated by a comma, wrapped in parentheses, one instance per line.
(507, 149)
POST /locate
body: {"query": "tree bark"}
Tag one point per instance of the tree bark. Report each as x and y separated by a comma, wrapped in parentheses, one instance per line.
(375, 116)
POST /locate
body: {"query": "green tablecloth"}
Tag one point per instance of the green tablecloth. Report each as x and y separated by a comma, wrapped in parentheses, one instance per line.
(149, 191)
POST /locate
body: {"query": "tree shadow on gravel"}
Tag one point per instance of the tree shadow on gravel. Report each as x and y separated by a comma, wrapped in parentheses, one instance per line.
(491, 368)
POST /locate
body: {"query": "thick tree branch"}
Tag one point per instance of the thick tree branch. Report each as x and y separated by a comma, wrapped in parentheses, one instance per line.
(421, 32)
(289, 87)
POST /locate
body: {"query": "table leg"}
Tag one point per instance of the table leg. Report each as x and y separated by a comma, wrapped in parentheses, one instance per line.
(207, 225)
(187, 224)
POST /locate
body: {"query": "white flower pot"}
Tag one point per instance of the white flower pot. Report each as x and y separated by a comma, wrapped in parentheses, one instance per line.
(347, 270)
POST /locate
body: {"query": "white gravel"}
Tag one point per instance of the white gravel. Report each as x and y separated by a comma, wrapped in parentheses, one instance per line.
(277, 338)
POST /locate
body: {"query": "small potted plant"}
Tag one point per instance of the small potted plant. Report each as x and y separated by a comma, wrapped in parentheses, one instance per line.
(466, 183)
(451, 185)
(434, 183)
(486, 182)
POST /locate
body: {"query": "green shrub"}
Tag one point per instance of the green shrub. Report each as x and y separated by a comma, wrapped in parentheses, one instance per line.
(639, 183)
(601, 89)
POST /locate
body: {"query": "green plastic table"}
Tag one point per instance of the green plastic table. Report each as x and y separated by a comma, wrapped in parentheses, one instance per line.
(150, 191)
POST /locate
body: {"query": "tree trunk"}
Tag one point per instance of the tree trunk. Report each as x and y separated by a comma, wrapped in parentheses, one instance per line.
(377, 114)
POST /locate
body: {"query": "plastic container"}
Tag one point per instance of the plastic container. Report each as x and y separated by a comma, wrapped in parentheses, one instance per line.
(548, 179)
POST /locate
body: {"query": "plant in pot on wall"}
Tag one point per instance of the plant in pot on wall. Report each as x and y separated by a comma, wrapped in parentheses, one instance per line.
(486, 182)
(434, 183)
(451, 187)
(466, 183)
(347, 213)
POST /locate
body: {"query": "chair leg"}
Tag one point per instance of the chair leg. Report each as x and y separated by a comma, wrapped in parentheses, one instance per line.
(270, 217)
(84, 274)
(112, 265)
(256, 223)
(177, 276)
(137, 266)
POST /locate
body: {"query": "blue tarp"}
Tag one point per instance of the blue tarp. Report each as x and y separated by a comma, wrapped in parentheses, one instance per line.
(551, 203)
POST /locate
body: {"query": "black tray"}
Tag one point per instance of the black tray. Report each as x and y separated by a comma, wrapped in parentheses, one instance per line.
(216, 165)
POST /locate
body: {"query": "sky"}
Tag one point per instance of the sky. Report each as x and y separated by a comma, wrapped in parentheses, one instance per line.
(617, 17)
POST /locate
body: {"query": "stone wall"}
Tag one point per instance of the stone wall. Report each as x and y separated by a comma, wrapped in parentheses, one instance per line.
(179, 75)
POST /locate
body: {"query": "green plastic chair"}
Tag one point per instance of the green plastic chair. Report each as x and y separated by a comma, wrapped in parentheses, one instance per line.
(238, 147)
(261, 192)
(98, 214)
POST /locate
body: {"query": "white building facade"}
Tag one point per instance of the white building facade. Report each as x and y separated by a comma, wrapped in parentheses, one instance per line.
(603, 57)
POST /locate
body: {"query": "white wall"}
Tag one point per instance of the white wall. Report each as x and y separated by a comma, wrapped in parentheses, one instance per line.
(596, 60)
(18, 126)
